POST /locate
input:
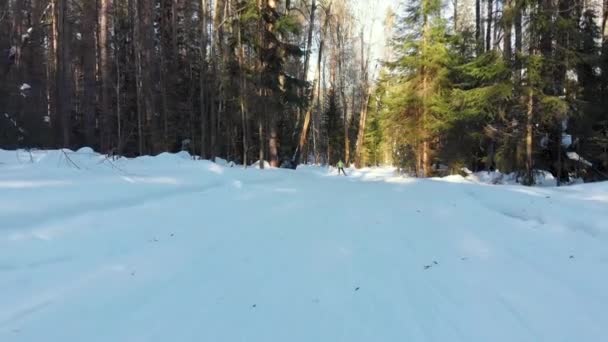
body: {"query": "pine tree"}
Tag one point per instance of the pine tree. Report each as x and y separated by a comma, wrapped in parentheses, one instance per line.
(421, 79)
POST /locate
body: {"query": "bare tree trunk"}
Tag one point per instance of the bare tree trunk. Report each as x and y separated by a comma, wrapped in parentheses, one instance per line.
(62, 84)
(168, 62)
(261, 92)
(273, 143)
(261, 134)
(507, 20)
(119, 142)
(455, 4)
(423, 120)
(316, 123)
(89, 61)
(361, 133)
(340, 39)
(529, 179)
(517, 21)
(218, 59)
(104, 75)
(311, 27)
(604, 21)
(307, 116)
(365, 89)
(54, 116)
(307, 52)
(478, 34)
(18, 9)
(242, 92)
(490, 15)
(203, 77)
(137, 46)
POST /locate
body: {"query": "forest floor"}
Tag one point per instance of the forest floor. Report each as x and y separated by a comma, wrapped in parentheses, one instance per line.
(170, 249)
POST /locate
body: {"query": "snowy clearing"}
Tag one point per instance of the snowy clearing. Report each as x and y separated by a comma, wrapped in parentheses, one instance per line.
(171, 249)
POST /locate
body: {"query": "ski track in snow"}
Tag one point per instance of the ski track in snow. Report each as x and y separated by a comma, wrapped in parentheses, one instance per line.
(179, 250)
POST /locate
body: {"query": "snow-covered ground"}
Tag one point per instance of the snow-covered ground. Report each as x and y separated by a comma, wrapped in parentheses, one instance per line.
(171, 249)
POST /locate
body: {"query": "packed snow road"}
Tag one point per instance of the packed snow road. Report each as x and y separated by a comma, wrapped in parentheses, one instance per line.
(170, 249)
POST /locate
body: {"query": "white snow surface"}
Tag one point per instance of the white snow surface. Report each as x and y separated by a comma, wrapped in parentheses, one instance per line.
(168, 248)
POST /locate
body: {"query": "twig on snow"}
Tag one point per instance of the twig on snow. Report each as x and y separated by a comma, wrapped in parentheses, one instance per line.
(70, 159)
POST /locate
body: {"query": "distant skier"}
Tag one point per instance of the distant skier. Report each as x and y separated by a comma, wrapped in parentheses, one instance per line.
(341, 167)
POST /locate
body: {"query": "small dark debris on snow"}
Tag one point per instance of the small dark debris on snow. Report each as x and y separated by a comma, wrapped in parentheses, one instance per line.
(172, 235)
(435, 262)
(357, 288)
(418, 211)
(254, 306)
(572, 257)
(463, 258)
(547, 196)
(427, 267)
(133, 274)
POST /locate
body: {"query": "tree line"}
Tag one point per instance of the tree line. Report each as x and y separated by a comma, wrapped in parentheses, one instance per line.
(244, 80)
(514, 85)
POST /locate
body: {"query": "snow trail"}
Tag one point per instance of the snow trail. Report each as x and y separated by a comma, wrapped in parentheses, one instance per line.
(181, 250)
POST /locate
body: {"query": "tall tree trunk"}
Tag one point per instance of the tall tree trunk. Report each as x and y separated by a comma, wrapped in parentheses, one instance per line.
(261, 92)
(424, 153)
(533, 47)
(507, 21)
(340, 39)
(62, 79)
(242, 92)
(517, 21)
(490, 15)
(307, 116)
(306, 66)
(273, 142)
(545, 32)
(316, 123)
(19, 71)
(168, 64)
(478, 25)
(605, 21)
(367, 90)
(311, 27)
(529, 177)
(261, 149)
(455, 4)
(219, 67)
(202, 78)
(104, 75)
(563, 41)
(146, 22)
(117, 88)
(361, 133)
(89, 61)
(137, 51)
(51, 80)
(18, 31)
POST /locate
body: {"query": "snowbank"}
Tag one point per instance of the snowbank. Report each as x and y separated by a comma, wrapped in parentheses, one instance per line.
(256, 165)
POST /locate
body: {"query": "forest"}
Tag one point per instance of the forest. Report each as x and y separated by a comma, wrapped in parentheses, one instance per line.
(510, 85)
